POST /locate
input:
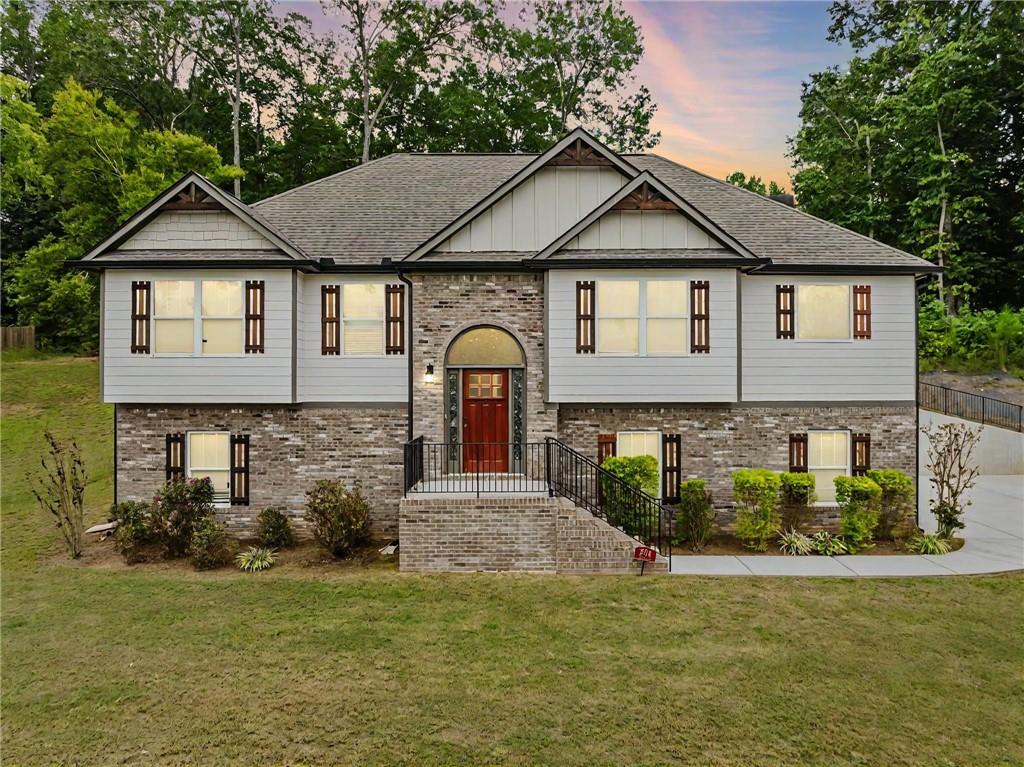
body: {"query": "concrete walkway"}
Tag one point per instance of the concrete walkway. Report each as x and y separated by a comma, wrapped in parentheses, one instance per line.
(994, 542)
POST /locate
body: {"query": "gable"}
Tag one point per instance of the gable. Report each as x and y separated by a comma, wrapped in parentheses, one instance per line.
(208, 230)
(543, 206)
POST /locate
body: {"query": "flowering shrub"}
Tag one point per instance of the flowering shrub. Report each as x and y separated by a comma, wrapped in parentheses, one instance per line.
(176, 511)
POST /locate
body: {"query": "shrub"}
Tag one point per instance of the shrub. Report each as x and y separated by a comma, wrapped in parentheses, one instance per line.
(796, 496)
(177, 510)
(209, 547)
(757, 498)
(133, 529)
(795, 544)
(339, 517)
(860, 502)
(640, 472)
(970, 341)
(928, 543)
(273, 529)
(897, 503)
(828, 545)
(255, 559)
(61, 491)
(950, 447)
(696, 514)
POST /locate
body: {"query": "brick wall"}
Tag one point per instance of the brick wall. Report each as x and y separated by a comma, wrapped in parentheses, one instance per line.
(719, 440)
(536, 534)
(289, 449)
(446, 304)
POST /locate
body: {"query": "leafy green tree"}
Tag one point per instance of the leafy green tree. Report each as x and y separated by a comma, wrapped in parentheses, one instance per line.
(754, 184)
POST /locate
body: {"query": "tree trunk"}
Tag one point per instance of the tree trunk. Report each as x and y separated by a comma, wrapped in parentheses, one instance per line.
(871, 190)
(236, 102)
(943, 226)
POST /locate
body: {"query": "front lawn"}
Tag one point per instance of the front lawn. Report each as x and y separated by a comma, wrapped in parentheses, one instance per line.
(103, 664)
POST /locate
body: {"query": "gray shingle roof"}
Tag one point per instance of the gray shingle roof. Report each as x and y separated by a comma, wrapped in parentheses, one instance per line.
(390, 206)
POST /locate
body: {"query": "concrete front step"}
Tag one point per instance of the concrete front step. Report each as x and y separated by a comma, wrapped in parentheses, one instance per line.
(531, 534)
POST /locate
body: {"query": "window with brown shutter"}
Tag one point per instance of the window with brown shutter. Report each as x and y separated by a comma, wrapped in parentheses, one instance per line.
(784, 311)
(862, 311)
(605, 447)
(394, 319)
(140, 318)
(671, 467)
(174, 461)
(330, 336)
(700, 316)
(798, 452)
(585, 317)
(861, 454)
(239, 469)
(254, 300)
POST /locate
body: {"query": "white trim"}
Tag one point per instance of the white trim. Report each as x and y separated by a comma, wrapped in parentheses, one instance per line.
(642, 317)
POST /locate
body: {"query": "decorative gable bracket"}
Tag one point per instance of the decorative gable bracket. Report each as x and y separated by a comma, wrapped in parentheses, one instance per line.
(645, 198)
(580, 154)
(192, 197)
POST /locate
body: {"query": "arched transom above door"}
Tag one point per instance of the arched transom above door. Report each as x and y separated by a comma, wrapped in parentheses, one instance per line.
(485, 346)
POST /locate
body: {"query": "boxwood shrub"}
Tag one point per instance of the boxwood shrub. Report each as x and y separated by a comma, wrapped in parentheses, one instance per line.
(757, 506)
(860, 502)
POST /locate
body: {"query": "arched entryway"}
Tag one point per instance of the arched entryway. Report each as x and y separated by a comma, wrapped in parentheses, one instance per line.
(485, 400)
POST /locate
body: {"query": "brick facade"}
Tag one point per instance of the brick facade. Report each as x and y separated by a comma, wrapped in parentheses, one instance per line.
(719, 440)
(289, 449)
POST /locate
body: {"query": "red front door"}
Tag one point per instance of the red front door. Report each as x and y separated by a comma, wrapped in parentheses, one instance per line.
(485, 420)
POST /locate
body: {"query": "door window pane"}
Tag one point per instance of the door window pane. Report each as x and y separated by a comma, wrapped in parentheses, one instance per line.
(618, 336)
(823, 312)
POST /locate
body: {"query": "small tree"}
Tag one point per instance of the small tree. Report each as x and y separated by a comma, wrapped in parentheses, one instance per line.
(860, 503)
(757, 500)
(696, 514)
(897, 502)
(796, 494)
(339, 516)
(950, 447)
(61, 491)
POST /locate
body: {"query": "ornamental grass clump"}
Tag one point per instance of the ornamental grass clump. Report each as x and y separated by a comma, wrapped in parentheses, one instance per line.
(828, 545)
(928, 543)
(795, 544)
(796, 499)
(757, 507)
(622, 507)
(696, 514)
(339, 517)
(255, 559)
(897, 503)
(860, 503)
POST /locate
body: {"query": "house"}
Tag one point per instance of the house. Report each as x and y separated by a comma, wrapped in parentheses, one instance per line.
(449, 318)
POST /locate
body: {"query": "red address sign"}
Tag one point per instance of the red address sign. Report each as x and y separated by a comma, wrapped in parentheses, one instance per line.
(645, 554)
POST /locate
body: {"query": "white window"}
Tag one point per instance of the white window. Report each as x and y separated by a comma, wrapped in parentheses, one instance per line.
(641, 317)
(174, 316)
(209, 455)
(828, 457)
(823, 312)
(618, 316)
(222, 316)
(362, 314)
(634, 443)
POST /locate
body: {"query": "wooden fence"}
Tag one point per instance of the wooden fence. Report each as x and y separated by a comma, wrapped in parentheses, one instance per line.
(18, 337)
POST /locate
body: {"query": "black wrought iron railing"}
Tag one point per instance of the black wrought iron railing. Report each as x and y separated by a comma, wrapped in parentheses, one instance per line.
(542, 468)
(971, 406)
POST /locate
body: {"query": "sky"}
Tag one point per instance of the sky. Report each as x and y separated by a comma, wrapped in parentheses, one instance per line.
(726, 77)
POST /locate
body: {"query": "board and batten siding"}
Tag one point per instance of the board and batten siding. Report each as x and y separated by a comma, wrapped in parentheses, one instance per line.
(791, 370)
(642, 229)
(338, 377)
(542, 207)
(243, 378)
(598, 378)
(197, 229)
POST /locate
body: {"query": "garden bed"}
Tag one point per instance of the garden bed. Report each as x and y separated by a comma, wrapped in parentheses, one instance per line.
(730, 546)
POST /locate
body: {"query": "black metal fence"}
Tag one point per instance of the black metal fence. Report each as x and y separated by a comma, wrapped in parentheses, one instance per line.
(973, 407)
(548, 467)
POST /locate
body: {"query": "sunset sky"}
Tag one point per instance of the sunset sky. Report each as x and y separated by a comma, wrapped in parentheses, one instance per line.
(726, 77)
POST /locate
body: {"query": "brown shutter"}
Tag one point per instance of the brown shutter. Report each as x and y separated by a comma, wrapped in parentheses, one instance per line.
(700, 316)
(862, 311)
(254, 301)
(239, 469)
(798, 452)
(861, 454)
(330, 336)
(784, 311)
(175, 457)
(394, 319)
(605, 447)
(140, 318)
(585, 317)
(671, 467)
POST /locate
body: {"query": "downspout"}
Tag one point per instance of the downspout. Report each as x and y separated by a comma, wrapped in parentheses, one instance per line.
(409, 338)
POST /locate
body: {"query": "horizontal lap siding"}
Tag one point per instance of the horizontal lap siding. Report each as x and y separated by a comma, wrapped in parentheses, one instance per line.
(879, 368)
(336, 377)
(595, 378)
(131, 377)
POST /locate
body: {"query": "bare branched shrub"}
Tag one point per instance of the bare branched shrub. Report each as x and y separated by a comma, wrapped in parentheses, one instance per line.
(61, 491)
(950, 447)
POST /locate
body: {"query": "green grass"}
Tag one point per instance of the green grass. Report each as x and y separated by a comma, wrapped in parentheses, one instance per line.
(115, 665)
